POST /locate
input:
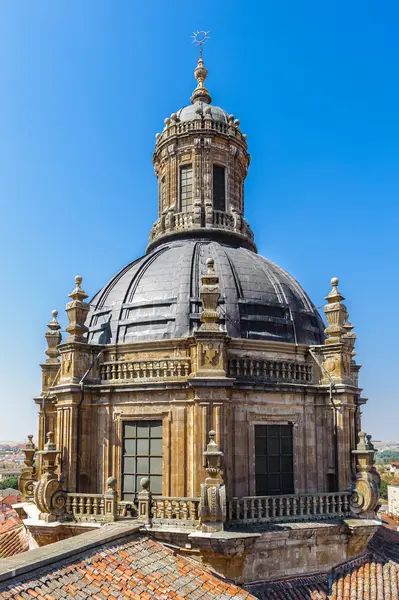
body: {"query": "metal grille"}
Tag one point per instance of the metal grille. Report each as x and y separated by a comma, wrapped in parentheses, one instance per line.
(142, 457)
(219, 188)
(186, 187)
(274, 461)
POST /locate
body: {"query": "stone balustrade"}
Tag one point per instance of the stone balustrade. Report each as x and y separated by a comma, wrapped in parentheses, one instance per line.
(166, 509)
(270, 370)
(182, 127)
(144, 370)
(215, 219)
(277, 509)
(91, 507)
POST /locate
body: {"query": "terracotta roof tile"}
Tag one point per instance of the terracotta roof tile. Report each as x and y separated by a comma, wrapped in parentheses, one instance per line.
(137, 568)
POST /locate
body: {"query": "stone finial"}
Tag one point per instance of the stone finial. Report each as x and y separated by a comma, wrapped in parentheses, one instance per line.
(213, 456)
(200, 93)
(349, 336)
(27, 477)
(335, 313)
(210, 294)
(53, 338)
(77, 312)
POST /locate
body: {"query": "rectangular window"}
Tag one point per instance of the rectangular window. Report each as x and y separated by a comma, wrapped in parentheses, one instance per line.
(219, 188)
(186, 188)
(274, 460)
(142, 457)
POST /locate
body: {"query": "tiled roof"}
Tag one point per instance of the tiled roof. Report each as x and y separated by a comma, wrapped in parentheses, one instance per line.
(13, 542)
(135, 568)
(305, 588)
(375, 576)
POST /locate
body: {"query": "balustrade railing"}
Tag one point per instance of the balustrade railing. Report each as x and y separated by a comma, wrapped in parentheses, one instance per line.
(223, 219)
(269, 370)
(136, 370)
(302, 507)
(91, 507)
(175, 511)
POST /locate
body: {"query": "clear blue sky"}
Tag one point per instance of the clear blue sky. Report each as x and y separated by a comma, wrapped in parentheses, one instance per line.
(86, 85)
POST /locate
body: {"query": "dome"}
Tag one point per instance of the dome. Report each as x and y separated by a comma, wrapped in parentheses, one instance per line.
(190, 112)
(157, 297)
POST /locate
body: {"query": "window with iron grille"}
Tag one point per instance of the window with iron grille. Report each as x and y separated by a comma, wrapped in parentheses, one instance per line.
(274, 460)
(186, 188)
(142, 457)
(219, 188)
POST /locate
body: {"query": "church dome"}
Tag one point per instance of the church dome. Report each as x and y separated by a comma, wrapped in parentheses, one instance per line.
(201, 161)
(157, 297)
(191, 112)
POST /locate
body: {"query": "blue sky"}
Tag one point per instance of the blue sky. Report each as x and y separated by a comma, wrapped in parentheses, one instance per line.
(85, 87)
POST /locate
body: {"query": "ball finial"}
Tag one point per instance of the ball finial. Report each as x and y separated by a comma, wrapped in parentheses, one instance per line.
(334, 281)
(78, 280)
(55, 314)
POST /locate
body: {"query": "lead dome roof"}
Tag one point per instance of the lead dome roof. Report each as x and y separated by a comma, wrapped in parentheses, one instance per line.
(157, 297)
(191, 112)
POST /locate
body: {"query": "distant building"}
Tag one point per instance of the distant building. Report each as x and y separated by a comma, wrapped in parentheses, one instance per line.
(7, 473)
(394, 468)
(393, 500)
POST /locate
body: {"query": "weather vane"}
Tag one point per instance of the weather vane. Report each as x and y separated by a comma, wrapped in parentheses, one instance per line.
(200, 38)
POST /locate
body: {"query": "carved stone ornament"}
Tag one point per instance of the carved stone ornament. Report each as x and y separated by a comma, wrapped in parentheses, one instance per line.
(365, 495)
(77, 312)
(213, 491)
(49, 497)
(27, 478)
(210, 294)
(53, 338)
(335, 314)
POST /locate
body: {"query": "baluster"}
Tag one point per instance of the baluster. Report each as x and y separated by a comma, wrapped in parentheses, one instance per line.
(245, 509)
(339, 498)
(179, 368)
(252, 508)
(266, 507)
(102, 505)
(295, 506)
(281, 507)
(288, 510)
(88, 506)
(185, 510)
(81, 505)
(301, 505)
(95, 506)
(308, 505)
(273, 507)
(315, 505)
(259, 508)
(74, 505)
(346, 503)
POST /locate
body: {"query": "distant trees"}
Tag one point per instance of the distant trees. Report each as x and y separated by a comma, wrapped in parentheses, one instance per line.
(387, 456)
(384, 490)
(10, 482)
